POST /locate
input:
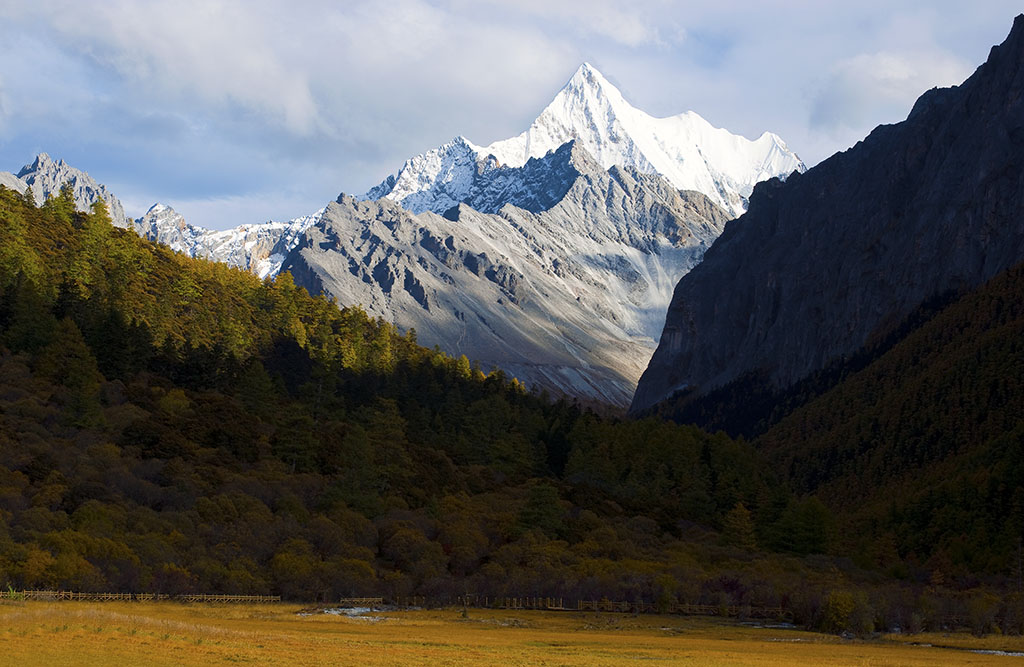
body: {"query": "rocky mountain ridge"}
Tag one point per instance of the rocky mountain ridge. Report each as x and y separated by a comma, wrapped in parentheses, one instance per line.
(567, 298)
(565, 290)
(551, 255)
(257, 248)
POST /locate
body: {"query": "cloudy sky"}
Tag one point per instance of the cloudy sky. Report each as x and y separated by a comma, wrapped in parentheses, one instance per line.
(240, 111)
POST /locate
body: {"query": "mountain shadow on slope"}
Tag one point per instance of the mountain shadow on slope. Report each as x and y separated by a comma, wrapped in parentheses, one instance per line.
(568, 299)
(750, 405)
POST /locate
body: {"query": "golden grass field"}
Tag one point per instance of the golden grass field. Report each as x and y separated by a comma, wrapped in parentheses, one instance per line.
(134, 633)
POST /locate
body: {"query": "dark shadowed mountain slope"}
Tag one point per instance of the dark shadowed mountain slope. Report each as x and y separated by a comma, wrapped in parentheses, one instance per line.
(831, 259)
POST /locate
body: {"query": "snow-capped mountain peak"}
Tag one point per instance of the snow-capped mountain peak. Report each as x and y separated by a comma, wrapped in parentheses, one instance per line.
(588, 83)
(687, 150)
(434, 181)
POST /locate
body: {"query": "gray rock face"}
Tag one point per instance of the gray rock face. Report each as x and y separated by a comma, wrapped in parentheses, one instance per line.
(536, 186)
(823, 262)
(46, 177)
(568, 297)
(560, 278)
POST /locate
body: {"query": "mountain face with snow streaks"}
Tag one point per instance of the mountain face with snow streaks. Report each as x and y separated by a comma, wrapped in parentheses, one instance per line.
(257, 248)
(685, 149)
(567, 297)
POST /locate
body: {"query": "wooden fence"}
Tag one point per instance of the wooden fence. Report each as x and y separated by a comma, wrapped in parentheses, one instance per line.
(137, 597)
(733, 611)
(552, 604)
(230, 599)
(559, 604)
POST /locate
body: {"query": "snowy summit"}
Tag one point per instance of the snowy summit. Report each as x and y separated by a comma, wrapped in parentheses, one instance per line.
(687, 150)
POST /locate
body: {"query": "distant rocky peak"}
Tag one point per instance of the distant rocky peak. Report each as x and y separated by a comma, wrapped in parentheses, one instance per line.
(161, 213)
(462, 142)
(41, 163)
(45, 177)
(1011, 51)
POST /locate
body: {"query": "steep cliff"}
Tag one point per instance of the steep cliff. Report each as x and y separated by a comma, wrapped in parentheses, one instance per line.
(830, 259)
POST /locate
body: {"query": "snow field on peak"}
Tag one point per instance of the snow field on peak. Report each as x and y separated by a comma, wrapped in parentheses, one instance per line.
(259, 248)
(686, 149)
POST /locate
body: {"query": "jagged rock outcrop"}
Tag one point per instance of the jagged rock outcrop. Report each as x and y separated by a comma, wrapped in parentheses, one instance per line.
(825, 261)
(568, 297)
(464, 177)
(46, 177)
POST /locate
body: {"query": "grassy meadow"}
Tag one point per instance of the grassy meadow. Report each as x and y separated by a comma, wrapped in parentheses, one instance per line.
(130, 633)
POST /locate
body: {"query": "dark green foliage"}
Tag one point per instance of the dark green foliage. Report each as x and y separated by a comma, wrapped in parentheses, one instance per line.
(805, 527)
(172, 425)
(543, 510)
(68, 362)
(922, 452)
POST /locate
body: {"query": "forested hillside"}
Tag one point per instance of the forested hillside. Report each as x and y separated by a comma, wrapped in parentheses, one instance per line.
(169, 424)
(923, 449)
(172, 425)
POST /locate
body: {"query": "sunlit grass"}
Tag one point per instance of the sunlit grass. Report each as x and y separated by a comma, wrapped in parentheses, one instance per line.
(39, 633)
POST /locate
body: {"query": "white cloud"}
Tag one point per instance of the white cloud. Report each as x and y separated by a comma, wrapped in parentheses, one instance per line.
(869, 87)
(636, 24)
(211, 53)
(3, 109)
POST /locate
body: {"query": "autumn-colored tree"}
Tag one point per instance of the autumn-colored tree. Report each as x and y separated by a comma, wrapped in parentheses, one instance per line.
(738, 528)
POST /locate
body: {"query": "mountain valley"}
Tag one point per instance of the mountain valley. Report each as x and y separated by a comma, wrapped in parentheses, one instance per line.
(551, 255)
(342, 405)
